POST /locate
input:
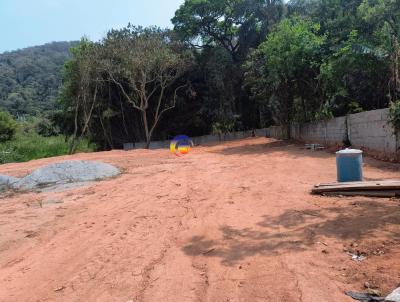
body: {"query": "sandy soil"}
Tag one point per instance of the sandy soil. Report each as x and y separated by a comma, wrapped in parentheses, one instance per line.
(230, 222)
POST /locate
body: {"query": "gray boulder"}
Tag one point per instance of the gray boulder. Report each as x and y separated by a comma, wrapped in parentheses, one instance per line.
(394, 296)
(67, 172)
(7, 182)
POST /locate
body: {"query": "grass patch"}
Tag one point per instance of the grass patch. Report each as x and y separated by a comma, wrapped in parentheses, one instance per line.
(28, 146)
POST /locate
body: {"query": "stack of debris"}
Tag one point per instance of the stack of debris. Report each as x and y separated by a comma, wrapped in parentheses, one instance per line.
(314, 147)
(385, 188)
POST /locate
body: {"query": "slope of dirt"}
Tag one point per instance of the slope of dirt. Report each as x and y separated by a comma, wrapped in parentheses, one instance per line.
(230, 222)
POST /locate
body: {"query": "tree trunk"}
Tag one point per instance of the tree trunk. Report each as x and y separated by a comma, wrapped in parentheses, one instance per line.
(303, 102)
(88, 116)
(394, 83)
(73, 141)
(396, 69)
(146, 129)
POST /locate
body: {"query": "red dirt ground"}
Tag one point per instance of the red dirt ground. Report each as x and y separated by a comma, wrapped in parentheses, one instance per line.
(230, 222)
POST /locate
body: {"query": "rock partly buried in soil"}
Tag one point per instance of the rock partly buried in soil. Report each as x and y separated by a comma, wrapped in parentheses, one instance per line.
(7, 181)
(394, 296)
(65, 175)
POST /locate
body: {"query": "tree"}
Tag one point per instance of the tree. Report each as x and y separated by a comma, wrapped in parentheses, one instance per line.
(235, 26)
(80, 90)
(354, 77)
(384, 15)
(248, 68)
(144, 63)
(8, 127)
(287, 65)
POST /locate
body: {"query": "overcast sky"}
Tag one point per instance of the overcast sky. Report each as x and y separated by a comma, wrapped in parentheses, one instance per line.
(26, 23)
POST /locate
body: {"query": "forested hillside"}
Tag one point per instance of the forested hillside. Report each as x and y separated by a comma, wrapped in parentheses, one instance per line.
(30, 78)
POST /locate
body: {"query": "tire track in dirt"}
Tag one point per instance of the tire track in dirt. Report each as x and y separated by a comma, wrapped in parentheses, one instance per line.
(146, 274)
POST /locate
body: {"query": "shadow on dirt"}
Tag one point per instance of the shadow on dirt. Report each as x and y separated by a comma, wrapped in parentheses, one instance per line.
(289, 147)
(297, 230)
(295, 150)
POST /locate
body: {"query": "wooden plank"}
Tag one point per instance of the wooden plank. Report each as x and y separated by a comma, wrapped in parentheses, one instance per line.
(387, 193)
(358, 186)
(355, 188)
(358, 182)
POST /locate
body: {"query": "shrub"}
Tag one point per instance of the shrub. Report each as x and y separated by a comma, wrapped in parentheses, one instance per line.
(394, 115)
(28, 146)
(46, 128)
(223, 127)
(8, 126)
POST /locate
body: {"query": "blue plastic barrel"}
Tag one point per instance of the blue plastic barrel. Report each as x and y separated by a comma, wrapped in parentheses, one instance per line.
(349, 165)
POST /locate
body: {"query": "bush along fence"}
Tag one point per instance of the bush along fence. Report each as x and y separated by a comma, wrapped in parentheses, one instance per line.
(370, 131)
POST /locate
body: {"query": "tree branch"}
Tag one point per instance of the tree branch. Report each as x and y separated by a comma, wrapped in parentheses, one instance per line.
(124, 92)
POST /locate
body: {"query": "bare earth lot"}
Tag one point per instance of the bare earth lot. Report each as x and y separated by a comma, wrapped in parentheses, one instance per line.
(230, 222)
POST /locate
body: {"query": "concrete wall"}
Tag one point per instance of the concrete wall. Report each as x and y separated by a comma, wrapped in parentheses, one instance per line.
(262, 132)
(279, 132)
(330, 132)
(370, 131)
(200, 140)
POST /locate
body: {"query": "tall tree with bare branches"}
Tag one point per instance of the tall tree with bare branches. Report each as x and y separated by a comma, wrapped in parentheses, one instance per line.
(144, 63)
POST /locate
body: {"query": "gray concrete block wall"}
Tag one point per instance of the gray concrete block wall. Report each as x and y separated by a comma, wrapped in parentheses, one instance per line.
(371, 130)
(313, 132)
(199, 140)
(279, 132)
(153, 145)
(159, 144)
(261, 132)
(330, 132)
(368, 130)
(336, 131)
(129, 146)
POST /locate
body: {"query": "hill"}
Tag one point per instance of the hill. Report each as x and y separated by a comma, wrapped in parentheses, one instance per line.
(30, 78)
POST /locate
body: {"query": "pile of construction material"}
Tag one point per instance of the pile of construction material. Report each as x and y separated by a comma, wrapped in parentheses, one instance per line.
(382, 188)
(60, 176)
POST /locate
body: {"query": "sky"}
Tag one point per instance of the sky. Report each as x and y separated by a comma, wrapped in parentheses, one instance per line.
(25, 23)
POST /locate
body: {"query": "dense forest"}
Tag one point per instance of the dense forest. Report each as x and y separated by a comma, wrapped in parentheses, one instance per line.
(30, 78)
(225, 65)
(231, 65)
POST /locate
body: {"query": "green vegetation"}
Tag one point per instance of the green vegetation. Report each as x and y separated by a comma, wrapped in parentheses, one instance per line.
(135, 67)
(249, 63)
(226, 65)
(30, 78)
(327, 58)
(394, 115)
(33, 139)
(291, 56)
(29, 86)
(28, 146)
(8, 127)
